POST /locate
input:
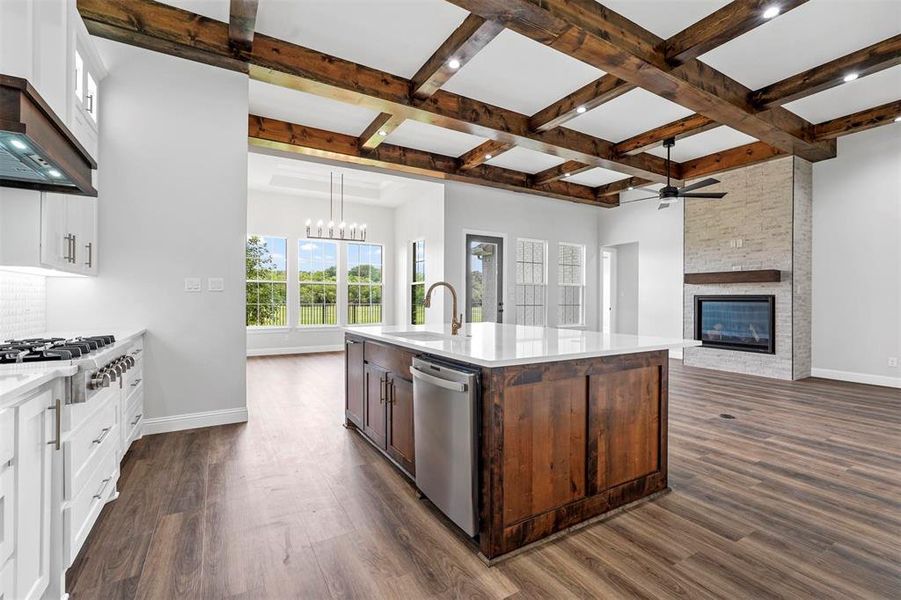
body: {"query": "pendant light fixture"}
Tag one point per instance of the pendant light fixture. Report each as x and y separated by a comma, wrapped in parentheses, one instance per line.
(323, 231)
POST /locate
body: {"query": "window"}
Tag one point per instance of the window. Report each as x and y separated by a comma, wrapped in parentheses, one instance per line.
(317, 265)
(364, 284)
(267, 282)
(571, 268)
(417, 286)
(531, 282)
(85, 87)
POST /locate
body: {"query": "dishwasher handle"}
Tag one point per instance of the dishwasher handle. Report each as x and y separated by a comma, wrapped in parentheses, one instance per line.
(455, 386)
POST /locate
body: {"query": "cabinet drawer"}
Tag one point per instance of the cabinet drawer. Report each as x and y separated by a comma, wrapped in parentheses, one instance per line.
(7, 481)
(82, 512)
(134, 377)
(7, 579)
(392, 359)
(77, 414)
(7, 436)
(86, 444)
(134, 418)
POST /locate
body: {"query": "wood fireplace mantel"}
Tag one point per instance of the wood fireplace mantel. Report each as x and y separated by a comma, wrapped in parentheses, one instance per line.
(756, 276)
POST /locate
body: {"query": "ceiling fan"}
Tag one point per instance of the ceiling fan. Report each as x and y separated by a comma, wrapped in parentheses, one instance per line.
(670, 193)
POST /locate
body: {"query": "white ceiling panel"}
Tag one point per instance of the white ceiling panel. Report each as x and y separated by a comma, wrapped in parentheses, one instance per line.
(595, 177)
(810, 35)
(848, 98)
(664, 17)
(214, 9)
(630, 114)
(525, 160)
(396, 36)
(293, 106)
(519, 74)
(702, 144)
(431, 138)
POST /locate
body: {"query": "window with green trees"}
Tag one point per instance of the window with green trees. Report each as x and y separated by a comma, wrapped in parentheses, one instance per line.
(318, 282)
(266, 281)
(364, 284)
(417, 293)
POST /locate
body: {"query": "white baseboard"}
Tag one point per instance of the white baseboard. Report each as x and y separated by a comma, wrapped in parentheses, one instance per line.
(194, 420)
(883, 380)
(294, 350)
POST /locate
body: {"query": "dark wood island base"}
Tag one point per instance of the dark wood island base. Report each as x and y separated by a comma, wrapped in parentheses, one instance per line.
(561, 443)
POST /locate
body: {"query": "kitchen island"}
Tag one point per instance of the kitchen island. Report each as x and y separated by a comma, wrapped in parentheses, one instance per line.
(572, 424)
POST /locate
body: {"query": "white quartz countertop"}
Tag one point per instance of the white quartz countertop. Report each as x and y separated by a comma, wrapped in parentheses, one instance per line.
(502, 345)
(18, 381)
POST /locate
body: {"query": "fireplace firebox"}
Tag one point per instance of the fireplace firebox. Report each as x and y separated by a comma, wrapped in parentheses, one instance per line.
(745, 323)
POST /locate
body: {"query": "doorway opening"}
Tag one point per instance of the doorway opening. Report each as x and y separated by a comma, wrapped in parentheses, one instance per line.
(484, 279)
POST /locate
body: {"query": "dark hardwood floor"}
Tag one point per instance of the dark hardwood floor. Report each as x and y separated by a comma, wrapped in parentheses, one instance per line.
(798, 496)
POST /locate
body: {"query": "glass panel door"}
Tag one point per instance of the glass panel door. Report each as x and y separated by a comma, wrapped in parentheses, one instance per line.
(484, 279)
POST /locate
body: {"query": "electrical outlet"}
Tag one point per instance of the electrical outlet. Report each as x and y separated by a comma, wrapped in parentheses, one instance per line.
(192, 284)
(893, 361)
(215, 284)
(738, 243)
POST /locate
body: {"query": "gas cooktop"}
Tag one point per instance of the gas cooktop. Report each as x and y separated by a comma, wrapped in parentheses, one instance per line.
(51, 349)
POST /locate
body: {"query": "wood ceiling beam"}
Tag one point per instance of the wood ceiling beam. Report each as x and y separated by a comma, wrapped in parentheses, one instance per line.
(482, 153)
(380, 128)
(866, 61)
(727, 160)
(721, 26)
(590, 96)
(592, 33)
(177, 32)
(288, 137)
(623, 185)
(567, 169)
(242, 19)
(465, 42)
(688, 126)
(859, 121)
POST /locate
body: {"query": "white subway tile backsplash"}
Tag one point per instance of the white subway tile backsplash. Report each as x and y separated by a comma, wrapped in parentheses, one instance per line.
(23, 305)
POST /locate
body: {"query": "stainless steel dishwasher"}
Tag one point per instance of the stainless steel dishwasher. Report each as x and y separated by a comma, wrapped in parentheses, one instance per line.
(445, 417)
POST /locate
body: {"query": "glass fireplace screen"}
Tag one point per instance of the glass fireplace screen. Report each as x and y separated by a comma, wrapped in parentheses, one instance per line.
(744, 323)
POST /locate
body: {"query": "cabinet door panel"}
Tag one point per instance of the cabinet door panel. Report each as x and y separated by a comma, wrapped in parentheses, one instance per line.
(33, 453)
(400, 423)
(355, 384)
(624, 426)
(544, 446)
(54, 247)
(375, 424)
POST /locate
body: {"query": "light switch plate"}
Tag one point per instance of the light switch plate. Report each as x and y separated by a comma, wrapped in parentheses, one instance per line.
(215, 284)
(192, 284)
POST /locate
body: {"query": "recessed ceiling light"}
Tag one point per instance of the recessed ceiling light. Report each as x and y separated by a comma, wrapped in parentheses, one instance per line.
(487, 157)
(771, 12)
(54, 173)
(454, 63)
(567, 174)
(18, 144)
(850, 77)
(581, 109)
(897, 119)
(631, 188)
(383, 132)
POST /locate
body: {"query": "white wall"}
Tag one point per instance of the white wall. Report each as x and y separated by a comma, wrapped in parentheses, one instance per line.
(284, 215)
(857, 258)
(659, 237)
(418, 216)
(517, 215)
(173, 185)
(628, 271)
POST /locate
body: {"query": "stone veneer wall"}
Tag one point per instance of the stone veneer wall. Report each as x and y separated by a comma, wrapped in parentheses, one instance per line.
(768, 208)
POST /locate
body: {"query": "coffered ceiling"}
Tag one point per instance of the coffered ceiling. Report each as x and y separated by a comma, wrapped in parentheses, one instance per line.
(376, 82)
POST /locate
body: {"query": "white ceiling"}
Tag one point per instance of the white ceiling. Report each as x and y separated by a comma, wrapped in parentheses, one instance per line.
(519, 74)
(525, 160)
(628, 115)
(431, 138)
(295, 176)
(805, 37)
(396, 36)
(664, 17)
(293, 106)
(702, 144)
(860, 94)
(595, 177)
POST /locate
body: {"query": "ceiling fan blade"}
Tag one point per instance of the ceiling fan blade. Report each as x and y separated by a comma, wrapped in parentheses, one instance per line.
(702, 195)
(654, 197)
(699, 184)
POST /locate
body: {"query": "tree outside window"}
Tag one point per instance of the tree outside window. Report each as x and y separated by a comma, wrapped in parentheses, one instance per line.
(417, 287)
(364, 284)
(266, 281)
(318, 282)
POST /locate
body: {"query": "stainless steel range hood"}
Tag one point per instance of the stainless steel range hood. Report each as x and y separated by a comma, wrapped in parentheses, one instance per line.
(37, 151)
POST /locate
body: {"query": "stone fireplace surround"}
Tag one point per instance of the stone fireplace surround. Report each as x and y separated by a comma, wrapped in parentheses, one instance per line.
(763, 223)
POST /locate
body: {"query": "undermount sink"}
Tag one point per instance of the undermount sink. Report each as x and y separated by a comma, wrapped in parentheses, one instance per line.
(420, 336)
